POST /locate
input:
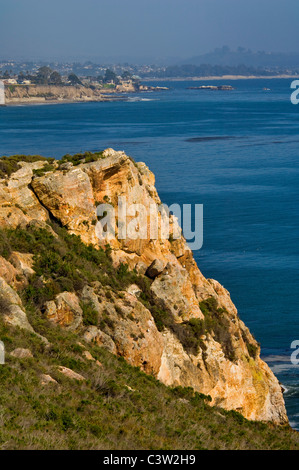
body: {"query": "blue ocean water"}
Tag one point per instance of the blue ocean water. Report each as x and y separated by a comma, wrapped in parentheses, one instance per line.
(248, 182)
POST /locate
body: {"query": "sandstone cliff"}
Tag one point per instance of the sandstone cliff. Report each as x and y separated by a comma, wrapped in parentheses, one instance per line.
(173, 323)
(30, 94)
(51, 93)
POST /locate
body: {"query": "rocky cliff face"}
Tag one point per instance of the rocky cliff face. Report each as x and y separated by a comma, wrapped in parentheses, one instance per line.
(185, 330)
(48, 93)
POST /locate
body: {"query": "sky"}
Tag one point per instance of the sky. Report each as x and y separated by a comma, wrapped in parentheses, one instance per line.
(143, 29)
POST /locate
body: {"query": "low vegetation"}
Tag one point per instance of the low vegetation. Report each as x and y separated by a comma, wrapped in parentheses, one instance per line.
(9, 165)
(86, 157)
(116, 407)
(46, 168)
(67, 264)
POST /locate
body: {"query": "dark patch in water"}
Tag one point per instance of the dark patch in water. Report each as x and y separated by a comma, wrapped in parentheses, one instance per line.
(258, 144)
(209, 138)
(277, 142)
(285, 141)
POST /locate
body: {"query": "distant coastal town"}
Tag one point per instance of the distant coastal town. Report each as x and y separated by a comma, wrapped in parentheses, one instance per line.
(48, 85)
(220, 62)
(24, 82)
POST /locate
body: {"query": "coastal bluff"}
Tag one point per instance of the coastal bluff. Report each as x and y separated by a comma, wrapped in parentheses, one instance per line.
(171, 322)
(39, 94)
(32, 94)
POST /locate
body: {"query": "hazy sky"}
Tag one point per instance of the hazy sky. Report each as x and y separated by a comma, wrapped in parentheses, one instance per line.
(94, 29)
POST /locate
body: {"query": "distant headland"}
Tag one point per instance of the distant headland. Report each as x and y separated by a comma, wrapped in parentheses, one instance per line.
(49, 86)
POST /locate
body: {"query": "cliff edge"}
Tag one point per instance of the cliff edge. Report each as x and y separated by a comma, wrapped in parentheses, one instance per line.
(161, 315)
(30, 94)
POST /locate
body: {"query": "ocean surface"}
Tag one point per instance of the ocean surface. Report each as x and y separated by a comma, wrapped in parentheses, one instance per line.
(248, 182)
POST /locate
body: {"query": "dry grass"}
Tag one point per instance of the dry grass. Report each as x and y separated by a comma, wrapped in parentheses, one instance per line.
(118, 406)
(103, 412)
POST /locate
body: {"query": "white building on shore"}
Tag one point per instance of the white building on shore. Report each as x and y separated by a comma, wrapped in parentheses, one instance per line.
(2, 93)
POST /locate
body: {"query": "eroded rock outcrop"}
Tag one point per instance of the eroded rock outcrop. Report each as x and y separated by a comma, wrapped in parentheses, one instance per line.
(64, 310)
(23, 262)
(11, 307)
(8, 272)
(18, 204)
(69, 198)
(223, 359)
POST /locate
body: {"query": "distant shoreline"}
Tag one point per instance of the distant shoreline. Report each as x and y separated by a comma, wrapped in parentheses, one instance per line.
(54, 94)
(49, 102)
(223, 77)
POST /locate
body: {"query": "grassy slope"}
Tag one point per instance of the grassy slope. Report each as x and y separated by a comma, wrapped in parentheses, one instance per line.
(118, 406)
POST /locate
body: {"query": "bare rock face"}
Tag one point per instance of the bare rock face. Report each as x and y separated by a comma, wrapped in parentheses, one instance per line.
(69, 198)
(133, 289)
(17, 270)
(173, 292)
(94, 334)
(8, 272)
(21, 353)
(117, 176)
(225, 363)
(141, 267)
(88, 296)
(70, 374)
(136, 336)
(11, 307)
(127, 328)
(88, 356)
(46, 379)
(65, 310)
(18, 203)
(245, 386)
(23, 262)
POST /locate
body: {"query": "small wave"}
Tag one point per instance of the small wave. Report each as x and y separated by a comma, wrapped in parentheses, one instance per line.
(294, 425)
(281, 364)
(288, 366)
(293, 391)
(134, 100)
(274, 358)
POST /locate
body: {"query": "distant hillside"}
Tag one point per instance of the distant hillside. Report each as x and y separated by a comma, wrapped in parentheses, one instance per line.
(228, 57)
(207, 70)
(224, 61)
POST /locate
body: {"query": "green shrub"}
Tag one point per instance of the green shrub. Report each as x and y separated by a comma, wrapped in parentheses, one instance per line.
(78, 158)
(90, 316)
(252, 349)
(9, 165)
(41, 171)
(217, 323)
(60, 264)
